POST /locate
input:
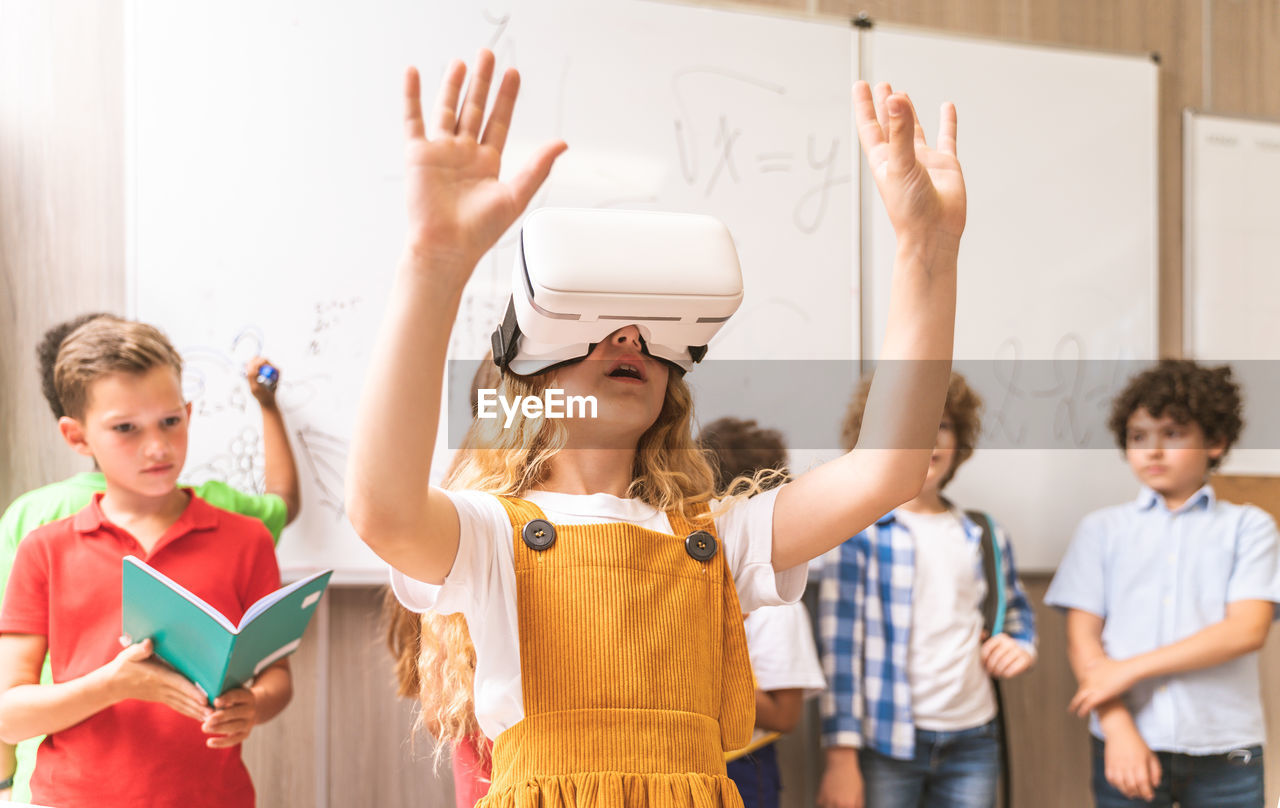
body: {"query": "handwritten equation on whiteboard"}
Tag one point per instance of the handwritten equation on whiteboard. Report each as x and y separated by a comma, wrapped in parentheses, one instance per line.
(712, 153)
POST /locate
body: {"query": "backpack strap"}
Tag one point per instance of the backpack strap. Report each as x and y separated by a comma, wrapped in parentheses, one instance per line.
(993, 610)
(994, 605)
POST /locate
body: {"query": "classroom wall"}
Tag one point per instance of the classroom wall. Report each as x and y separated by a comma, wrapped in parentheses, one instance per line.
(345, 739)
(61, 205)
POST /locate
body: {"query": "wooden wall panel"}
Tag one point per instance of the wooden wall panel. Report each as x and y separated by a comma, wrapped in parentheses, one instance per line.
(281, 754)
(1244, 58)
(374, 757)
(1265, 493)
(61, 205)
(1048, 747)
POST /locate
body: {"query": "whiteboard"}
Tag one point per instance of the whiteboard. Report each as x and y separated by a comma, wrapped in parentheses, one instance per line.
(265, 189)
(1058, 264)
(1231, 244)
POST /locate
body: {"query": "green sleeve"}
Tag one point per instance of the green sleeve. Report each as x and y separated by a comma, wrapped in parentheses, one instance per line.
(10, 535)
(266, 508)
(39, 507)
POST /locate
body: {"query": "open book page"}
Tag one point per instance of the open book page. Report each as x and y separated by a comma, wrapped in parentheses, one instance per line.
(274, 630)
(280, 594)
(179, 589)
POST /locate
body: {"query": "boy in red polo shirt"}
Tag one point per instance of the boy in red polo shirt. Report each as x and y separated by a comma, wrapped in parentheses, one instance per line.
(123, 728)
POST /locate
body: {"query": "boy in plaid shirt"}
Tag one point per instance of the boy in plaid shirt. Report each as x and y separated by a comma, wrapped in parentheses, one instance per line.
(910, 716)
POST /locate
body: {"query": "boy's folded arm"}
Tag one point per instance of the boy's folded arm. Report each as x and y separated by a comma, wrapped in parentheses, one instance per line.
(28, 708)
(1114, 718)
(1084, 641)
(1084, 648)
(1242, 631)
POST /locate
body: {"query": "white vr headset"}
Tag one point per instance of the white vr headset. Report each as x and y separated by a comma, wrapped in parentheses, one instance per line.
(580, 275)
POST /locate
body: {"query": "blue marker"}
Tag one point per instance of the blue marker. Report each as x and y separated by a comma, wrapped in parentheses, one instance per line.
(268, 376)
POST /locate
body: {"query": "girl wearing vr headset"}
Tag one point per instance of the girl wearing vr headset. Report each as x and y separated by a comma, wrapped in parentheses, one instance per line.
(603, 594)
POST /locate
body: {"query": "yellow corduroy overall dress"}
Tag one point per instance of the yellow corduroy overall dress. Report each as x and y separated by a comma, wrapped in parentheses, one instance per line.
(634, 671)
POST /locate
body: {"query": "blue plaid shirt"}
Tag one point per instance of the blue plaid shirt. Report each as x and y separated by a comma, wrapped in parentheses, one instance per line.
(865, 627)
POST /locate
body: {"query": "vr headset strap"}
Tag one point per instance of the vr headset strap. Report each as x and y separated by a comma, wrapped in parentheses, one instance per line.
(506, 337)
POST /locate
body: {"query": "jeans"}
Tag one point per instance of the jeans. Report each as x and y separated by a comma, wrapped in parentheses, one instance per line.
(1233, 780)
(950, 770)
(756, 776)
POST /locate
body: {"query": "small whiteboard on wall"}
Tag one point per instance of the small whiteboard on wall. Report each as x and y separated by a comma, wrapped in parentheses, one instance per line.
(1232, 268)
(266, 189)
(1058, 264)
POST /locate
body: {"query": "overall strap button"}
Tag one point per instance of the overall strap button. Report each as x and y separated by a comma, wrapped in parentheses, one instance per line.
(539, 534)
(701, 545)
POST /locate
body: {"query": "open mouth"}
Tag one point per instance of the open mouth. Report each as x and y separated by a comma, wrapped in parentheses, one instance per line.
(627, 370)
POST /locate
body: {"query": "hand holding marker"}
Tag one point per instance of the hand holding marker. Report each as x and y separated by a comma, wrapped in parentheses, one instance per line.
(268, 376)
(263, 378)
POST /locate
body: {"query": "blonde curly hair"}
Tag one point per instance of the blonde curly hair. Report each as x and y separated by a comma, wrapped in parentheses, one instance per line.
(435, 663)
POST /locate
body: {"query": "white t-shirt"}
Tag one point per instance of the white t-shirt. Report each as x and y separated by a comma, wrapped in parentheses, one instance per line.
(783, 654)
(482, 583)
(950, 690)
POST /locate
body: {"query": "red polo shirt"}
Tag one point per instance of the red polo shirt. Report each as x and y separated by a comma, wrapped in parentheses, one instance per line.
(65, 585)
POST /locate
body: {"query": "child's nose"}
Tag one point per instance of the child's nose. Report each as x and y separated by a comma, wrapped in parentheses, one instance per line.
(629, 335)
(157, 447)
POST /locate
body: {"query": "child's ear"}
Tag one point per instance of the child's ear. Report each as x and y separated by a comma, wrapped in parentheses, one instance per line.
(73, 433)
(188, 410)
(1217, 449)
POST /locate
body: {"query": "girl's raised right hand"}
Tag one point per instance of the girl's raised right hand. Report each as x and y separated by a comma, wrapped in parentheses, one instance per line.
(922, 187)
(458, 208)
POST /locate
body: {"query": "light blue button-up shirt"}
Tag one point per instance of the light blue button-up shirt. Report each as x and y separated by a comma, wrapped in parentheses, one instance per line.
(1158, 576)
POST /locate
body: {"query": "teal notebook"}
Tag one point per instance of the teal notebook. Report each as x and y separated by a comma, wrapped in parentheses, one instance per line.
(200, 642)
